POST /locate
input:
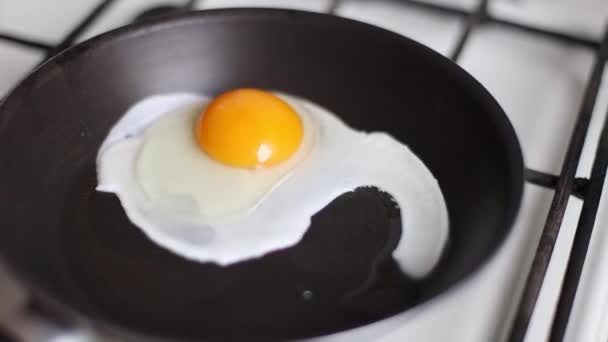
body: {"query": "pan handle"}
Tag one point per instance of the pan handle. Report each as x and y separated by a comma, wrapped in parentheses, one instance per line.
(21, 319)
(27, 325)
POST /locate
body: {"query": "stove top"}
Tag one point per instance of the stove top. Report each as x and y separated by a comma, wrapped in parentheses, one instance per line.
(544, 62)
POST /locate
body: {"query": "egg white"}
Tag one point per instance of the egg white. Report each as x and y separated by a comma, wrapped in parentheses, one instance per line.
(274, 213)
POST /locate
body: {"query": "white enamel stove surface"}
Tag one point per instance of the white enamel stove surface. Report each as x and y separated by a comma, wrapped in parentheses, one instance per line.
(539, 83)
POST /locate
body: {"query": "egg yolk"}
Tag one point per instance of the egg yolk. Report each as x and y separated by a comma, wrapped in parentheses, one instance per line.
(249, 128)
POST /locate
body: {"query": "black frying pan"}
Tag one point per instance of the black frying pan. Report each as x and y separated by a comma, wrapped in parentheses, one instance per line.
(76, 249)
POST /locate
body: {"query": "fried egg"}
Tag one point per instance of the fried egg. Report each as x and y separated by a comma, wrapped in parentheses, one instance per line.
(233, 178)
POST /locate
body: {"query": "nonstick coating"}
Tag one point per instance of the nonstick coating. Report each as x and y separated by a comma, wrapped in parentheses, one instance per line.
(75, 247)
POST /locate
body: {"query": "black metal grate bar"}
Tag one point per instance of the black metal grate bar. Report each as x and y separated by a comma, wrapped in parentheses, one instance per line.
(583, 233)
(436, 8)
(559, 36)
(474, 20)
(550, 181)
(191, 4)
(26, 42)
(79, 29)
(489, 18)
(163, 10)
(333, 6)
(564, 188)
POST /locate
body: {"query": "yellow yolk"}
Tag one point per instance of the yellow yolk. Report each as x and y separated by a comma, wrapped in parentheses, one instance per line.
(249, 128)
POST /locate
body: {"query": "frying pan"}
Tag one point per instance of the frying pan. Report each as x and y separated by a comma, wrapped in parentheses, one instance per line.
(77, 251)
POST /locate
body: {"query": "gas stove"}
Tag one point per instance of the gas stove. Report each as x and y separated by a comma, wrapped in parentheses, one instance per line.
(544, 62)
